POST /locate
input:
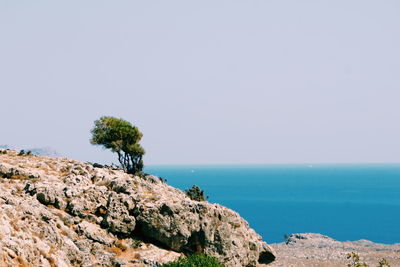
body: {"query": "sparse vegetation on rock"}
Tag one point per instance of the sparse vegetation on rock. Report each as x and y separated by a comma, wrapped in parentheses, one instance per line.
(195, 260)
(316, 250)
(355, 261)
(195, 193)
(23, 152)
(383, 262)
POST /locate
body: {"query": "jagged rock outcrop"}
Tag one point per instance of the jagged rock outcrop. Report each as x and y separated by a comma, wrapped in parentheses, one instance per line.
(60, 212)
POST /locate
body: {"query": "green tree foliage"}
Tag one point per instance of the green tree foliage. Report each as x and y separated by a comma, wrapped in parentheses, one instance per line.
(122, 138)
(195, 193)
(195, 260)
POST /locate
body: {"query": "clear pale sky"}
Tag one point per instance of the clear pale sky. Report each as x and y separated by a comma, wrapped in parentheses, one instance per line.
(205, 81)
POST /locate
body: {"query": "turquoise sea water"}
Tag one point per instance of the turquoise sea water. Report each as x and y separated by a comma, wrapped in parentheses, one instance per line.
(346, 202)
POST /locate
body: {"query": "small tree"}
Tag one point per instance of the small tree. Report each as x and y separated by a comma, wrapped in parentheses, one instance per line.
(122, 138)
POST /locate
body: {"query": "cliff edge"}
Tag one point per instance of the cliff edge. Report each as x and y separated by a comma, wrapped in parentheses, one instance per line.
(61, 212)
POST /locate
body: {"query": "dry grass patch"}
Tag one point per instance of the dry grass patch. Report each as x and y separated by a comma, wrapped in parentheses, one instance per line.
(64, 233)
(121, 245)
(21, 262)
(115, 250)
(48, 257)
(13, 223)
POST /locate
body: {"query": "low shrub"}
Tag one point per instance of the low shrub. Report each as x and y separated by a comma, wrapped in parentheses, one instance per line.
(195, 193)
(97, 165)
(195, 260)
(355, 261)
(23, 152)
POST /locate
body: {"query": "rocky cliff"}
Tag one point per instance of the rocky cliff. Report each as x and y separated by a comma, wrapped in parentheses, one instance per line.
(61, 212)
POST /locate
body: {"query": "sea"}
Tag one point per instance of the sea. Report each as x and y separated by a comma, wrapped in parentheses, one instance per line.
(344, 201)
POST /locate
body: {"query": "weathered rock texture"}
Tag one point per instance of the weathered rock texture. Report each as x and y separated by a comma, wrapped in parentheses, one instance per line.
(316, 250)
(60, 212)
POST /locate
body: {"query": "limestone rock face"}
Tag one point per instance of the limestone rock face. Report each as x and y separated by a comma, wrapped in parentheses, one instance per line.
(60, 212)
(201, 227)
(118, 218)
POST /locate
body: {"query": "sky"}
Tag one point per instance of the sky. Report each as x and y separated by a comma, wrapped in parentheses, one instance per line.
(206, 82)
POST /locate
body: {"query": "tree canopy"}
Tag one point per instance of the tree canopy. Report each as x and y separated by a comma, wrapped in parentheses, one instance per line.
(122, 138)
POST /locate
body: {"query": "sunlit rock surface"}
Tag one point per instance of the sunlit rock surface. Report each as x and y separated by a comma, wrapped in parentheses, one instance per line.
(61, 212)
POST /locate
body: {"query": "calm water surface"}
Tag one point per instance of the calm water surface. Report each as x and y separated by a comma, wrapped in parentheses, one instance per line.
(346, 202)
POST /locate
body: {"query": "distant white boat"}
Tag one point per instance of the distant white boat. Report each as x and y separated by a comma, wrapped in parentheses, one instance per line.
(310, 166)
